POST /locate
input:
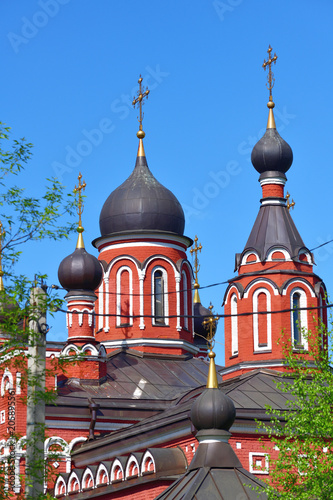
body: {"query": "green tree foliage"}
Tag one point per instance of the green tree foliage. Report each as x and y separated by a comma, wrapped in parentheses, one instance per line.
(303, 466)
(25, 218)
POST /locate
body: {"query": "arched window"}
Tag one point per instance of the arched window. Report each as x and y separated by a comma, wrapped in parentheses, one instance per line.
(184, 293)
(262, 323)
(298, 318)
(234, 326)
(124, 297)
(159, 297)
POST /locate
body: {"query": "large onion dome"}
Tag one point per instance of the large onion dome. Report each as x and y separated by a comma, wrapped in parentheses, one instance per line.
(141, 203)
(80, 270)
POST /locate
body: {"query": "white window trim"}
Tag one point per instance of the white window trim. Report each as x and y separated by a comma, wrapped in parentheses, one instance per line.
(267, 347)
(184, 291)
(234, 325)
(259, 454)
(119, 273)
(165, 297)
(303, 316)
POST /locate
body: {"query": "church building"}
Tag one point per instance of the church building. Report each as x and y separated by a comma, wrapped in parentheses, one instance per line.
(138, 351)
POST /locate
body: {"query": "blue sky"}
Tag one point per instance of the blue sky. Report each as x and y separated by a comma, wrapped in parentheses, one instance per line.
(70, 67)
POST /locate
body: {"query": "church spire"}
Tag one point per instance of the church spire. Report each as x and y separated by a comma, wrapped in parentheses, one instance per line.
(81, 187)
(139, 101)
(270, 84)
(195, 250)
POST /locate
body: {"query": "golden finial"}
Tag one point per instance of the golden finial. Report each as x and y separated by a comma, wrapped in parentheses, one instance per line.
(2, 234)
(270, 85)
(210, 324)
(139, 100)
(78, 189)
(290, 205)
(194, 250)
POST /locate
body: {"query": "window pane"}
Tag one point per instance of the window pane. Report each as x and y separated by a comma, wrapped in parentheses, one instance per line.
(158, 297)
(297, 319)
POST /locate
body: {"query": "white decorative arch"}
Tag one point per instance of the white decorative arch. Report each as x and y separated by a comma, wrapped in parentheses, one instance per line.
(102, 352)
(132, 462)
(268, 344)
(165, 294)
(302, 315)
(246, 255)
(263, 281)
(7, 382)
(91, 348)
(59, 441)
(117, 259)
(234, 325)
(147, 463)
(79, 314)
(161, 257)
(73, 480)
(307, 255)
(68, 348)
(79, 439)
(285, 253)
(119, 319)
(298, 281)
(101, 475)
(60, 487)
(114, 474)
(88, 478)
(232, 289)
(20, 445)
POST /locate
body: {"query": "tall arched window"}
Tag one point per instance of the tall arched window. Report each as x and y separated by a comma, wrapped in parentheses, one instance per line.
(299, 321)
(184, 293)
(124, 297)
(262, 323)
(234, 326)
(159, 297)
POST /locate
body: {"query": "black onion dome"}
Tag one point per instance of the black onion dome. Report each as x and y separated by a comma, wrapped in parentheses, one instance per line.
(141, 203)
(272, 153)
(200, 314)
(213, 410)
(80, 271)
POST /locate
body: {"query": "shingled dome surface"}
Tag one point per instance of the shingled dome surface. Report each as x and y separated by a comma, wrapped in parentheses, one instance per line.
(141, 203)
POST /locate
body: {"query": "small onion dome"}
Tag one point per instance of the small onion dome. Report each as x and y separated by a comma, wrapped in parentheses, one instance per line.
(200, 314)
(141, 203)
(80, 270)
(272, 153)
(213, 409)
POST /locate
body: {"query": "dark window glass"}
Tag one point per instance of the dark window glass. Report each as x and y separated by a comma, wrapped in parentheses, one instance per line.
(159, 297)
(297, 319)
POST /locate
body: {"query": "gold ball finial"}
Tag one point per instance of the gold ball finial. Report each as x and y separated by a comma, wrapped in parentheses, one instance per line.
(140, 134)
(211, 354)
(270, 105)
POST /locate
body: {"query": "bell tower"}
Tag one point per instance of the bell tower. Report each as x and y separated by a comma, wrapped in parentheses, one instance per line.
(275, 293)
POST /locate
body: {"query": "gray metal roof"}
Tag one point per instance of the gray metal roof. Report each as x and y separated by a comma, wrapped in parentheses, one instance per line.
(273, 228)
(142, 377)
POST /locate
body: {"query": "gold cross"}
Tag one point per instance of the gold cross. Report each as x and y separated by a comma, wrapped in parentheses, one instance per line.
(290, 205)
(195, 250)
(139, 100)
(270, 77)
(2, 234)
(210, 324)
(79, 189)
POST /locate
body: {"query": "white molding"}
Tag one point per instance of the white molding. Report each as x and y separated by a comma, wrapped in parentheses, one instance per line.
(273, 180)
(281, 250)
(246, 255)
(255, 295)
(180, 242)
(302, 314)
(250, 366)
(276, 201)
(261, 282)
(233, 288)
(119, 319)
(234, 325)
(300, 282)
(142, 275)
(146, 342)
